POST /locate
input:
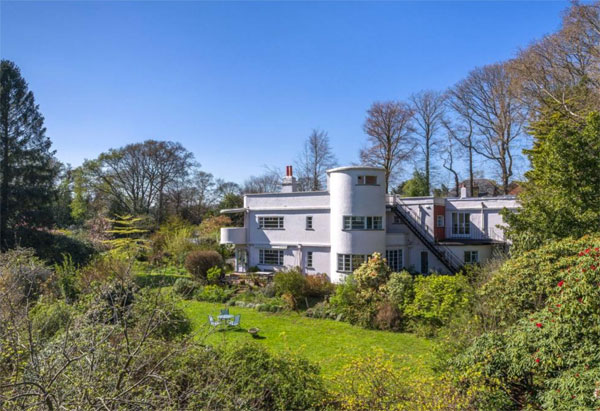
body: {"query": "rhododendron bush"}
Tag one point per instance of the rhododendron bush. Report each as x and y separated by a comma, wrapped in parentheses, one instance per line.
(550, 358)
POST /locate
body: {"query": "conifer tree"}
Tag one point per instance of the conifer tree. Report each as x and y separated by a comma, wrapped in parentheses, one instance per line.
(28, 168)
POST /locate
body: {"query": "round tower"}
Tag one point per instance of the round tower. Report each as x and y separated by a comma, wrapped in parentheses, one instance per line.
(357, 219)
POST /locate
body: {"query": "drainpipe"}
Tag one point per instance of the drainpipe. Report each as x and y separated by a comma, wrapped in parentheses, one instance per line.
(483, 225)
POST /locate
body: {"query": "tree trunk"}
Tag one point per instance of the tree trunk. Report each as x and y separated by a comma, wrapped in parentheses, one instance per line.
(4, 185)
(427, 168)
(471, 170)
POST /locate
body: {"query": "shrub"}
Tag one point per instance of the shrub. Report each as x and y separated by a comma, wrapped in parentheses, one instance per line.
(52, 246)
(318, 285)
(400, 290)
(185, 287)
(214, 293)
(158, 313)
(388, 317)
(373, 274)
(268, 290)
(321, 310)
(214, 275)
(281, 381)
(47, 319)
(523, 283)
(22, 275)
(438, 298)
(66, 279)
(172, 241)
(373, 382)
(291, 283)
(549, 358)
(199, 262)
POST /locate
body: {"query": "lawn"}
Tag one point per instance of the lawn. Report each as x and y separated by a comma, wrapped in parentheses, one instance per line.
(329, 343)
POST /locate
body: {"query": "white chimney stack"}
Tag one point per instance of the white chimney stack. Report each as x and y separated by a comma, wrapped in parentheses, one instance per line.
(463, 192)
(289, 182)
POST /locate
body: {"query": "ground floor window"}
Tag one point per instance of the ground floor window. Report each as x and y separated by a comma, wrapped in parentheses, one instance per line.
(347, 263)
(270, 257)
(309, 259)
(394, 259)
(471, 257)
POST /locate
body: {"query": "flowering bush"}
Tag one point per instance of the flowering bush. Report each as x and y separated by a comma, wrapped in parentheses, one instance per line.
(550, 358)
(372, 275)
(523, 283)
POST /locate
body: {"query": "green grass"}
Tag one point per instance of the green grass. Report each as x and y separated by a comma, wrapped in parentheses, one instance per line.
(328, 343)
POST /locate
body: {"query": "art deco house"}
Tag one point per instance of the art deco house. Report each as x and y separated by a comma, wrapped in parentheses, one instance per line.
(334, 231)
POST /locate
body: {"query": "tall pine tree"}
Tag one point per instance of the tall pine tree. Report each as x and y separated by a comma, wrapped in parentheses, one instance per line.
(28, 168)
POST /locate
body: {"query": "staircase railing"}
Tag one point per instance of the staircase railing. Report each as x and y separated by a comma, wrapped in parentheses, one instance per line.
(425, 235)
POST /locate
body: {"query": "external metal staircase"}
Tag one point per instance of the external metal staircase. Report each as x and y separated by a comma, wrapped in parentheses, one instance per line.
(443, 253)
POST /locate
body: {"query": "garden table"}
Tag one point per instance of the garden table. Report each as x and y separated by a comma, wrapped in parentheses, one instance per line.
(225, 317)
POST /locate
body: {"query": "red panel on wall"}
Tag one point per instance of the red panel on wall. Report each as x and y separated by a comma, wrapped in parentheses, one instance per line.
(439, 233)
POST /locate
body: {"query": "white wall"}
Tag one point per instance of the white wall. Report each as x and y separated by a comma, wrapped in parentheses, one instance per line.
(348, 198)
(485, 215)
(294, 231)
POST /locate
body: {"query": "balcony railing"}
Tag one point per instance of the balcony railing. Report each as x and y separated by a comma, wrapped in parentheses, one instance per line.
(476, 233)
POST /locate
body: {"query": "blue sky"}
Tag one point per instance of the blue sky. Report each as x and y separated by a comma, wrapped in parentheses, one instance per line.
(241, 84)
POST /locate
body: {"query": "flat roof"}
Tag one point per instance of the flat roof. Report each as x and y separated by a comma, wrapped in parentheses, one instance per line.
(333, 170)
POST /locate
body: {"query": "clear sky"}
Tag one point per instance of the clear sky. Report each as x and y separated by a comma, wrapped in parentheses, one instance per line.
(241, 84)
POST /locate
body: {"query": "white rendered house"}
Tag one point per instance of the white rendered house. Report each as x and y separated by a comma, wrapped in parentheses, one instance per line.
(334, 231)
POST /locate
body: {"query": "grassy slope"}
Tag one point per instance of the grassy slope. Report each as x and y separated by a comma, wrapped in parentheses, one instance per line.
(328, 343)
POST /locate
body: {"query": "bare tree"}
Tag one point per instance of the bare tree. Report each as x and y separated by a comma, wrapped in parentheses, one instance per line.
(191, 198)
(564, 64)
(390, 141)
(428, 107)
(315, 159)
(136, 177)
(268, 182)
(448, 162)
(487, 100)
(460, 128)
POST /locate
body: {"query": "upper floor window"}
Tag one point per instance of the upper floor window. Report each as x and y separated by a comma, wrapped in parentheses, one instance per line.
(367, 180)
(363, 223)
(471, 257)
(440, 221)
(309, 223)
(270, 223)
(270, 257)
(461, 223)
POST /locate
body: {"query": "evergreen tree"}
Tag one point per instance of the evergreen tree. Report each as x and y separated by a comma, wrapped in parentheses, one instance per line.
(27, 165)
(415, 187)
(561, 196)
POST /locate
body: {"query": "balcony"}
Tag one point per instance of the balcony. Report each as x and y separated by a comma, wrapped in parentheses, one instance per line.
(233, 235)
(492, 234)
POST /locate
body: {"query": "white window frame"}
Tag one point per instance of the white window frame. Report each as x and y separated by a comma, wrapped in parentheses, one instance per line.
(263, 259)
(367, 180)
(440, 221)
(362, 223)
(471, 254)
(395, 259)
(309, 259)
(461, 224)
(270, 223)
(347, 263)
(309, 222)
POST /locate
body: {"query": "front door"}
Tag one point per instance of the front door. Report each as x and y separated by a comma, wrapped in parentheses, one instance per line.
(424, 262)
(241, 260)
